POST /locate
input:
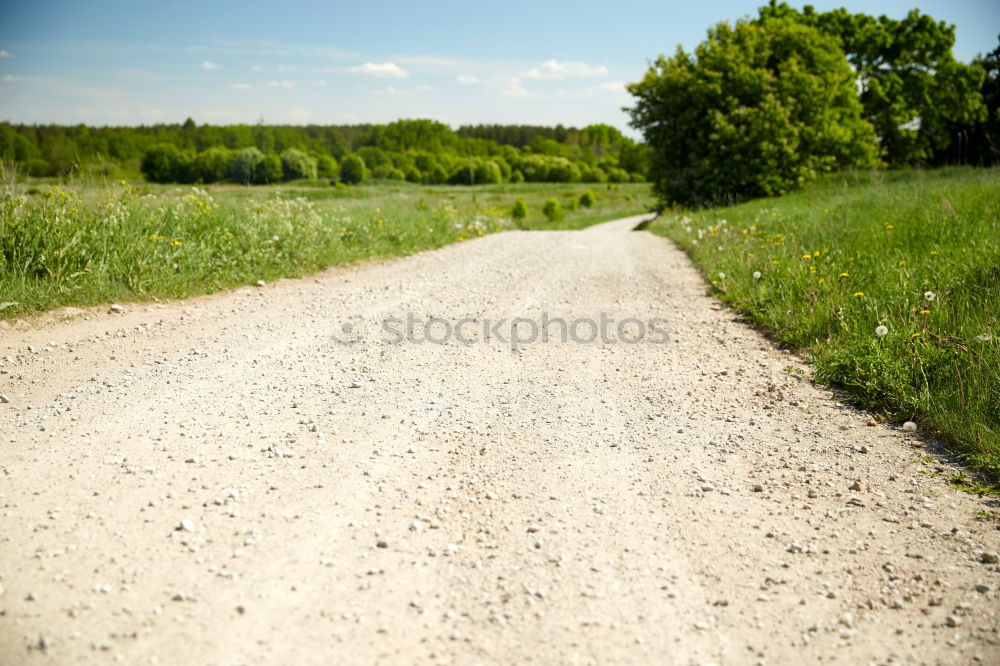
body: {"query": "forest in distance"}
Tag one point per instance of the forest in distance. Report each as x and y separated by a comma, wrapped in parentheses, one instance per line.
(417, 151)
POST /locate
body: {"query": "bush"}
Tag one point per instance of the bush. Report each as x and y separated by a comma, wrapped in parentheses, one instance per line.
(246, 162)
(270, 170)
(520, 210)
(758, 110)
(388, 172)
(587, 199)
(516, 176)
(297, 164)
(352, 169)
(327, 167)
(552, 210)
(211, 166)
(488, 173)
(164, 163)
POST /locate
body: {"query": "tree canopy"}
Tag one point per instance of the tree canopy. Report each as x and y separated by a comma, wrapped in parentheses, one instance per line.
(912, 88)
(758, 109)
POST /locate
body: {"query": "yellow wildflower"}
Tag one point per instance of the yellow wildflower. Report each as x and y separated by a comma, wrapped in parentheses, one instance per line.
(859, 294)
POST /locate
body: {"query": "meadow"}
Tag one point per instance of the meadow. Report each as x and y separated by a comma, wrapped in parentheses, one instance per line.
(84, 243)
(888, 281)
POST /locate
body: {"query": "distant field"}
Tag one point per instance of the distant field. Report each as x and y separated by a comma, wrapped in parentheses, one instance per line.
(87, 243)
(889, 281)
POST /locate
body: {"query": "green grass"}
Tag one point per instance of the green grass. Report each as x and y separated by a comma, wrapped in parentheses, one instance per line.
(82, 243)
(859, 251)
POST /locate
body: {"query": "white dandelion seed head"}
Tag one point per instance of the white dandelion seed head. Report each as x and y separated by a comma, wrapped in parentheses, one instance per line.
(756, 275)
(929, 295)
(722, 276)
(880, 331)
(910, 426)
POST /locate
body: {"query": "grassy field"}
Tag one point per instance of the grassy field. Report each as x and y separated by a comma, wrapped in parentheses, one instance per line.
(84, 243)
(888, 281)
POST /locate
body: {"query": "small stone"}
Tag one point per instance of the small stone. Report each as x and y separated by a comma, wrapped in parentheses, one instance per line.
(261, 283)
(953, 620)
(382, 543)
(188, 525)
(989, 558)
(983, 588)
(757, 488)
(707, 487)
(116, 309)
(855, 487)
(4, 399)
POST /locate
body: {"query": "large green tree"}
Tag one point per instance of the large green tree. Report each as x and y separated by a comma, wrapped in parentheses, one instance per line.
(758, 109)
(912, 88)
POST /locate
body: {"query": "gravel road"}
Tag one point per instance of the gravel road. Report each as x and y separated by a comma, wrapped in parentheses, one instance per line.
(266, 476)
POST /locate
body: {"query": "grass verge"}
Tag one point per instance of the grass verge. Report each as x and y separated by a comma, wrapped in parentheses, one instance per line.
(889, 282)
(85, 243)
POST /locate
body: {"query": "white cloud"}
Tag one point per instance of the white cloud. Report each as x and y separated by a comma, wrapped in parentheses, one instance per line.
(11, 77)
(6, 54)
(468, 78)
(208, 64)
(385, 70)
(553, 69)
(240, 86)
(279, 84)
(256, 68)
(300, 115)
(512, 88)
(316, 84)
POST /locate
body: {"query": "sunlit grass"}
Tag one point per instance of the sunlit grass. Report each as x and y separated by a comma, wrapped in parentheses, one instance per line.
(890, 282)
(88, 243)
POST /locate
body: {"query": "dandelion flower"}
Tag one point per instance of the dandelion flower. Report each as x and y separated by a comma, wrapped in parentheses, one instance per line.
(859, 294)
(756, 275)
(914, 336)
(844, 275)
(929, 295)
(722, 276)
(925, 312)
(881, 331)
(910, 426)
(821, 281)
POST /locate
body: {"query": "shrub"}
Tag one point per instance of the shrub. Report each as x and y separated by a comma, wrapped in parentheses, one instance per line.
(246, 162)
(211, 166)
(516, 176)
(327, 167)
(163, 163)
(552, 210)
(488, 172)
(388, 172)
(587, 199)
(270, 170)
(297, 164)
(352, 169)
(520, 210)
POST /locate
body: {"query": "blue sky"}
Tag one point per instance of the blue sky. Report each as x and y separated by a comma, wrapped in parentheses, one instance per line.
(127, 63)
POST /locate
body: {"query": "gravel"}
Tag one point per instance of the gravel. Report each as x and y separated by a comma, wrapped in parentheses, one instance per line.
(557, 508)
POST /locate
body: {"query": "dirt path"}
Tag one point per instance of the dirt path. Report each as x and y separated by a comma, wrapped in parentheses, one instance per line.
(688, 502)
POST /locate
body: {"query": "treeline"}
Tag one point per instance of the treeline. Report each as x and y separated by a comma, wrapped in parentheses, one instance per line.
(420, 151)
